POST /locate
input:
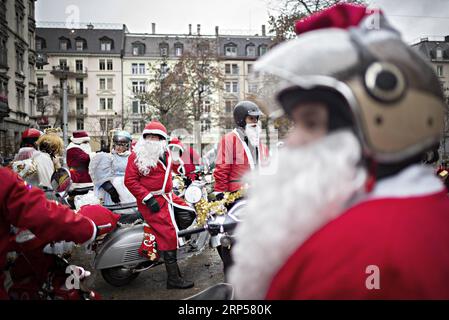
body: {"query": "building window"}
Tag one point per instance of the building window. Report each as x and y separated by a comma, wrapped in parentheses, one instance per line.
(141, 68)
(142, 86)
(135, 106)
(230, 50)
(206, 106)
(79, 124)
(106, 103)
(79, 104)
(19, 21)
(163, 49)
(179, 48)
(106, 44)
(109, 64)
(79, 65)
(102, 64)
(229, 105)
(20, 95)
(136, 127)
(250, 68)
(440, 71)
(231, 86)
(134, 68)
(110, 103)
(250, 50)
(138, 48)
(109, 82)
(64, 44)
(135, 87)
(3, 52)
(252, 87)
(40, 83)
(102, 84)
(439, 54)
(262, 49)
(205, 125)
(20, 60)
(231, 69)
(80, 44)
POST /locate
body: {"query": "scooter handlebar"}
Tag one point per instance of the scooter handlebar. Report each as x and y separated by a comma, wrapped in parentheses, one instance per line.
(187, 232)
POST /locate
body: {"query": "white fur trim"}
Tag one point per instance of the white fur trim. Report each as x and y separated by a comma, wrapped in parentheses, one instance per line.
(415, 181)
(94, 235)
(159, 132)
(81, 185)
(148, 196)
(79, 140)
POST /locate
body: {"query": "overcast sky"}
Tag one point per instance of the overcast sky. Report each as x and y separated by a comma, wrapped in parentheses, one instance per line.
(414, 18)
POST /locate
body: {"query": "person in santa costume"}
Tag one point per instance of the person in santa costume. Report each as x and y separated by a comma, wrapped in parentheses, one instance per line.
(78, 159)
(35, 160)
(24, 206)
(185, 162)
(239, 151)
(351, 212)
(107, 171)
(148, 177)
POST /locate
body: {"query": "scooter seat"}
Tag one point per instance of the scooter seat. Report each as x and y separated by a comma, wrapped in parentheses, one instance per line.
(130, 218)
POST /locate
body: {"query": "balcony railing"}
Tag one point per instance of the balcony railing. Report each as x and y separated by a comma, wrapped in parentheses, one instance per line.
(42, 91)
(41, 59)
(71, 92)
(68, 71)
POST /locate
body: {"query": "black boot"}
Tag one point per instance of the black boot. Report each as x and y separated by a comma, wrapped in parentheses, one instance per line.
(174, 277)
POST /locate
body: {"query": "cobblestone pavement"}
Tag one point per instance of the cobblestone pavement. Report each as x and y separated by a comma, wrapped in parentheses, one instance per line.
(205, 269)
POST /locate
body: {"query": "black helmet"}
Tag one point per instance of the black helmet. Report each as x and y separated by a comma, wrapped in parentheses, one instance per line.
(244, 109)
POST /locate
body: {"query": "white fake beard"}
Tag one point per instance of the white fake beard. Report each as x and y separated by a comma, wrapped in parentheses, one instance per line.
(253, 133)
(176, 156)
(311, 186)
(147, 154)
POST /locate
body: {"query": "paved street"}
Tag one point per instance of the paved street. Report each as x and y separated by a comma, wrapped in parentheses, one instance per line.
(205, 270)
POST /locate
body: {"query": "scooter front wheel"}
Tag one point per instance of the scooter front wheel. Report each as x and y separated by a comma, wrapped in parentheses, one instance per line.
(118, 276)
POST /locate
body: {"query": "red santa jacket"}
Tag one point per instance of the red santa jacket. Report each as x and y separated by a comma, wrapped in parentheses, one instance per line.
(145, 186)
(26, 207)
(78, 162)
(390, 247)
(233, 160)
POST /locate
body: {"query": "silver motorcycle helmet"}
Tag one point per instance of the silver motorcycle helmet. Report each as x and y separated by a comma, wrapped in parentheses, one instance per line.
(391, 93)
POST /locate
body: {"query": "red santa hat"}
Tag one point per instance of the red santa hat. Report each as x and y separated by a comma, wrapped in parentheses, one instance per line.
(31, 133)
(155, 127)
(176, 143)
(341, 15)
(80, 137)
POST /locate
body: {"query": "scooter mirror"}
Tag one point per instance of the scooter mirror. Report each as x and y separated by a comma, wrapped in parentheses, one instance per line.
(193, 194)
(61, 180)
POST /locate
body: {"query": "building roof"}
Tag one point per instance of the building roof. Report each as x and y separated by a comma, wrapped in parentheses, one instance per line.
(153, 42)
(429, 48)
(92, 37)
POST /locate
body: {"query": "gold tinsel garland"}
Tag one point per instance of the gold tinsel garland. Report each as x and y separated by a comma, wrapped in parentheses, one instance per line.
(204, 208)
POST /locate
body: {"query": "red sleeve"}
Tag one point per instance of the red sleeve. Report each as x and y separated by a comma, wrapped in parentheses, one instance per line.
(132, 180)
(27, 207)
(223, 165)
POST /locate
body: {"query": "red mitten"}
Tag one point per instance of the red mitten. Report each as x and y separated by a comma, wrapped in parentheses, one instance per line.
(104, 219)
(148, 248)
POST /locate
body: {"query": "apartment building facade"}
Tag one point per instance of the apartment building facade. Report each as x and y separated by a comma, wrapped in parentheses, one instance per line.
(90, 61)
(436, 51)
(17, 72)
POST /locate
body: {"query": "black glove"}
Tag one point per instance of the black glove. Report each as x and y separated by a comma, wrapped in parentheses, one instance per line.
(219, 196)
(153, 205)
(109, 188)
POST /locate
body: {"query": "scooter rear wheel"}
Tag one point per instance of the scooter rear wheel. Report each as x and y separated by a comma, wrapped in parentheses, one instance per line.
(118, 276)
